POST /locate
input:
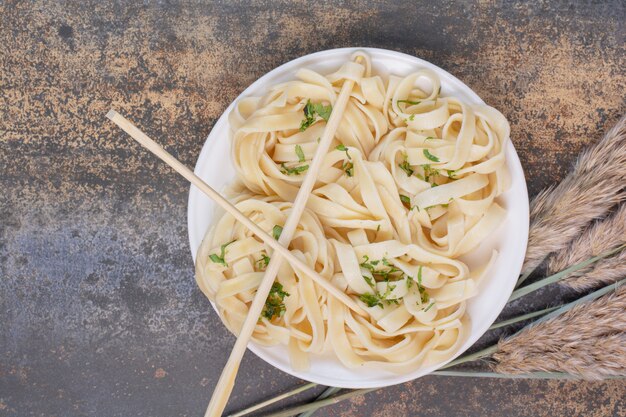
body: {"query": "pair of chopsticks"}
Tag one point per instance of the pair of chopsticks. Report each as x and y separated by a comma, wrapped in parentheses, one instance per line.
(227, 379)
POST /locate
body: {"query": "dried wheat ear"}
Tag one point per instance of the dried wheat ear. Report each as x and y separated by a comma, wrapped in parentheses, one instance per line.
(601, 236)
(596, 184)
(588, 341)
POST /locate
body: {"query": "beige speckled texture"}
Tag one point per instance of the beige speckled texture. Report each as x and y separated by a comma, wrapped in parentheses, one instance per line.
(99, 312)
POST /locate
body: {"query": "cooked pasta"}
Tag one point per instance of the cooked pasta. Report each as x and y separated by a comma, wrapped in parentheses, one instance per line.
(410, 184)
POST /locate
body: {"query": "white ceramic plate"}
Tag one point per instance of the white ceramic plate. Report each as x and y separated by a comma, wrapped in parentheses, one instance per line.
(215, 167)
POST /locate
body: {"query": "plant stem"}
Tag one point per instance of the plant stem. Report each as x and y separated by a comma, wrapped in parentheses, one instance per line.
(589, 297)
(521, 318)
(472, 357)
(273, 400)
(520, 292)
(327, 393)
(524, 277)
(319, 404)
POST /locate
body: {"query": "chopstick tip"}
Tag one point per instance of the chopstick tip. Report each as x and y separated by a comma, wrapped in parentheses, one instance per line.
(111, 114)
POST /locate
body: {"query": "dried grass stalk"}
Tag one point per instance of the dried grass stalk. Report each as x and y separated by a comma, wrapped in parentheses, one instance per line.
(558, 214)
(600, 237)
(608, 270)
(588, 341)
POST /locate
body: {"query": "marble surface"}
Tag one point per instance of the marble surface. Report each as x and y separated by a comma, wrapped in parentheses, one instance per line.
(99, 311)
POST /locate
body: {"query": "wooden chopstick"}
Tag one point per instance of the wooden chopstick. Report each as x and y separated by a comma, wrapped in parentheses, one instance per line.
(227, 378)
(179, 167)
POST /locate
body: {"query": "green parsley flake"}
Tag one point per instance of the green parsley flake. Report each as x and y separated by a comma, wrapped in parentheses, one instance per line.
(429, 172)
(451, 173)
(263, 262)
(276, 231)
(412, 103)
(430, 156)
(371, 300)
(428, 308)
(406, 167)
(274, 305)
(311, 111)
(343, 148)
(406, 201)
(409, 281)
(376, 299)
(293, 170)
(220, 259)
(372, 266)
(300, 153)
(348, 167)
(424, 297)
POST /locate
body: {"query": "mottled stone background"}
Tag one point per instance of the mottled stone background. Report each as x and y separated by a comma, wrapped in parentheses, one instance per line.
(99, 311)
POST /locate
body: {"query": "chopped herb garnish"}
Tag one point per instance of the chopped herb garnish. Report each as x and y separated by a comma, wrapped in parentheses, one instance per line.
(263, 262)
(406, 201)
(343, 148)
(451, 173)
(378, 228)
(367, 264)
(409, 281)
(412, 103)
(293, 170)
(429, 138)
(370, 281)
(376, 299)
(372, 300)
(311, 111)
(323, 111)
(448, 203)
(309, 116)
(388, 291)
(430, 156)
(429, 172)
(411, 117)
(348, 167)
(428, 308)
(276, 231)
(220, 259)
(300, 153)
(423, 294)
(406, 167)
(274, 306)
(371, 266)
